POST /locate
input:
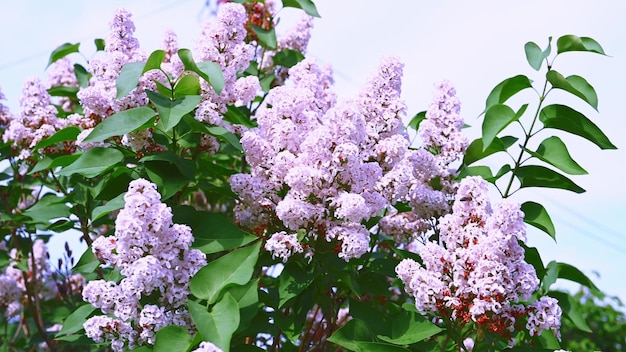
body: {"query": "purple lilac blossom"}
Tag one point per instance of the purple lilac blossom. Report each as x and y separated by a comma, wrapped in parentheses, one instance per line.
(477, 271)
(315, 164)
(154, 257)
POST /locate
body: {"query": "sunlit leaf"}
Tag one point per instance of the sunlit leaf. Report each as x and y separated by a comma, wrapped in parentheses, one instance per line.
(564, 118)
(67, 134)
(172, 111)
(554, 152)
(172, 338)
(233, 268)
(128, 78)
(74, 322)
(572, 42)
(209, 71)
(121, 123)
(62, 51)
(571, 309)
(417, 120)
(536, 215)
(287, 58)
(220, 323)
(475, 151)
(267, 37)
(539, 176)
(534, 55)
(307, 5)
(94, 162)
(497, 118)
(575, 85)
(506, 89)
(114, 204)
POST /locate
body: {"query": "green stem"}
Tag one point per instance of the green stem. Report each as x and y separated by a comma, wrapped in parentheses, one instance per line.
(527, 135)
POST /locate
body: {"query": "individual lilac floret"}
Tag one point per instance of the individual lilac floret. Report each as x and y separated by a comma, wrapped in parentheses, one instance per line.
(154, 257)
(477, 272)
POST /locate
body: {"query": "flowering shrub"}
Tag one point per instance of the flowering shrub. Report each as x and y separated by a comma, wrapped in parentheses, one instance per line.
(230, 201)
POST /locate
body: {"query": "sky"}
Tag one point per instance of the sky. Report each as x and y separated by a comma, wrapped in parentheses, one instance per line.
(473, 44)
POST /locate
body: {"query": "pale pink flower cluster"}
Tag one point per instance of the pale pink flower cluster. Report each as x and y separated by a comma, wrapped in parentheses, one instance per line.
(153, 254)
(477, 271)
(423, 178)
(5, 114)
(99, 98)
(61, 74)
(441, 131)
(36, 120)
(315, 164)
(223, 42)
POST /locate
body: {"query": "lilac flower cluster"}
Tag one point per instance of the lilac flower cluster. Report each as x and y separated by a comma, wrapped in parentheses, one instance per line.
(36, 120)
(424, 178)
(477, 271)
(315, 165)
(61, 74)
(154, 256)
(223, 42)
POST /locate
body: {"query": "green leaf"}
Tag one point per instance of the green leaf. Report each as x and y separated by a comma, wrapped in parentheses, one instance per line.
(212, 232)
(476, 151)
(266, 37)
(100, 45)
(536, 215)
(52, 163)
(552, 274)
(293, 280)
(113, 204)
(223, 134)
(87, 263)
(62, 51)
(172, 338)
(74, 322)
(534, 55)
(188, 85)
(363, 346)
(154, 61)
(497, 118)
(218, 325)
(82, 75)
(347, 336)
(417, 120)
(128, 78)
(532, 257)
(566, 119)
(287, 58)
(575, 85)
(233, 268)
(482, 171)
(307, 5)
(239, 115)
(94, 162)
(571, 273)
(571, 309)
(247, 298)
(169, 180)
(66, 134)
(49, 207)
(186, 167)
(172, 111)
(554, 152)
(121, 123)
(63, 91)
(572, 42)
(210, 71)
(506, 89)
(539, 176)
(410, 327)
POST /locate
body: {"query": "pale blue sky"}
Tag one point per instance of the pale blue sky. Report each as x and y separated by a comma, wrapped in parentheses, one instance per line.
(473, 44)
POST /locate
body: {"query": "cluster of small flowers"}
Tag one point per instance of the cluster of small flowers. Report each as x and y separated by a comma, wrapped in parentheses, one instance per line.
(153, 254)
(207, 347)
(99, 97)
(15, 283)
(477, 272)
(61, 74)
(315, 165)
(36, 120)
(412, 179)
(223, 42)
